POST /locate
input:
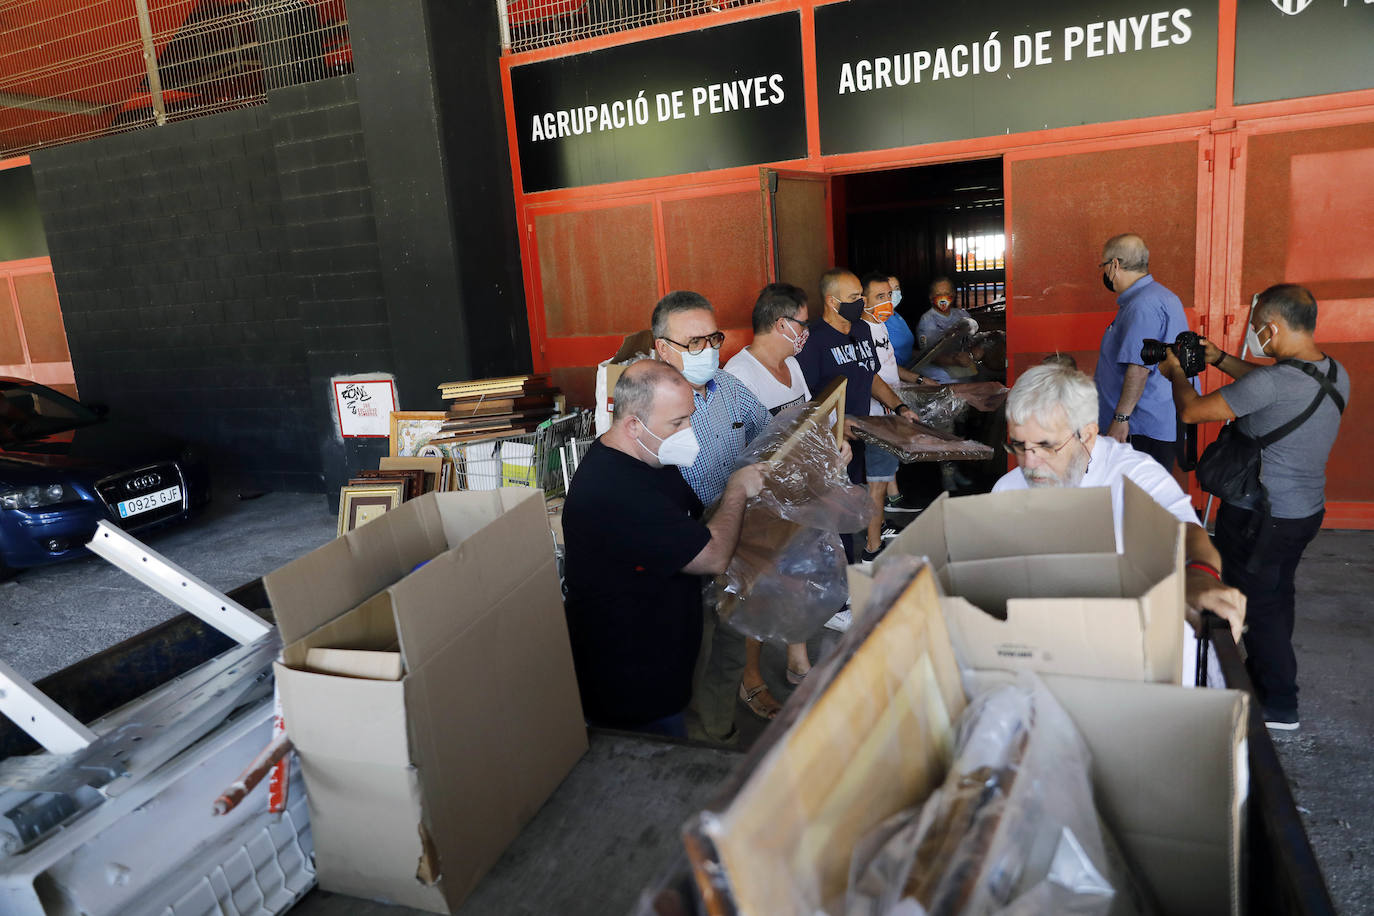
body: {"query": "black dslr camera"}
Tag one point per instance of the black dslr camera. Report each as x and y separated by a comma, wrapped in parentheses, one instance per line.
(1192, 355)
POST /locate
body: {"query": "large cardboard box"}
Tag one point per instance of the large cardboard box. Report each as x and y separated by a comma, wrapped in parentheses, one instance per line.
(871, 733)
(416, 785)
(1033, 580)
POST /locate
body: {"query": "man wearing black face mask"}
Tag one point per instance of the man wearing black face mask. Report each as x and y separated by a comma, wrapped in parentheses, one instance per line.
(840, 344)
(1134, 403)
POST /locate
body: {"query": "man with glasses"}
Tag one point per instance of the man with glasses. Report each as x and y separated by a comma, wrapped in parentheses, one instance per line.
(1134, 400)
(725, 418)
(1052, 431)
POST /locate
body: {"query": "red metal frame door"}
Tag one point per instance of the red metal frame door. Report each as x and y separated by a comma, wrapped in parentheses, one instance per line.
(801, 233)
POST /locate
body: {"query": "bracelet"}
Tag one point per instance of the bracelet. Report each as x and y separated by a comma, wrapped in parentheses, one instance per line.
(1121, 417)
(1200, 566)
(1220, 359)
(898, 409)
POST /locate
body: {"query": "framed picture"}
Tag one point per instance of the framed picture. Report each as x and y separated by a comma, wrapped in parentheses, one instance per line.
(363, 406)
(411, 430)
(361, 503)
(413, 478)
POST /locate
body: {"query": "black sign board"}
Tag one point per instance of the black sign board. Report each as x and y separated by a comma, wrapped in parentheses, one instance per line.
(1290, 48)
(712, 99)
(896, 73)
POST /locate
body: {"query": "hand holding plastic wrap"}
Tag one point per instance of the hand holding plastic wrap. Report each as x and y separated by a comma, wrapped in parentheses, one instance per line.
(788, 574)
(1012, 829)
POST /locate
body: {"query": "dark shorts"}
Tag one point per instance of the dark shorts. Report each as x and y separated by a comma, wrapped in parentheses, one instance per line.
(880, 464)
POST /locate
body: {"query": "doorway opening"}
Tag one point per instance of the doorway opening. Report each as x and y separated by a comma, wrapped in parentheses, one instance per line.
(930, 221)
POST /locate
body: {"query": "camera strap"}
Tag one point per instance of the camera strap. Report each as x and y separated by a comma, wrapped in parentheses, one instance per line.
(1328, 389)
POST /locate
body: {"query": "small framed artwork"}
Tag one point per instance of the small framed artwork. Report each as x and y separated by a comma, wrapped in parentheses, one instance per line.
(363, 406)
(414, 479)
(361, 503)
(411, 430)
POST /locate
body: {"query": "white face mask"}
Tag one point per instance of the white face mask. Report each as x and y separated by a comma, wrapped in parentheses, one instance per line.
(1252, 341)
(896, 297)
(679, 449)
(798, 340)
(698, 368)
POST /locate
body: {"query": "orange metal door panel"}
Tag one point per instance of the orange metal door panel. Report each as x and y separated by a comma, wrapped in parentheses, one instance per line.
(597, 269)
(799, 215)
(1061, 208)
(12, 351)
(33, 341)
(1305, 204)
(717, 246)
(36, 295)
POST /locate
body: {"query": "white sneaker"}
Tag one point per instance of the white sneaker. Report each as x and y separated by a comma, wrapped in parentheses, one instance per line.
(841, 621)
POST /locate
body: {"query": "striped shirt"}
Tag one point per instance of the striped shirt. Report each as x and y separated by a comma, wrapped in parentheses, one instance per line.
(726, 419)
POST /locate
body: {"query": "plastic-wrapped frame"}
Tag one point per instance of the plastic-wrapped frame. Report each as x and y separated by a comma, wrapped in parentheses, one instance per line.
(916, 442)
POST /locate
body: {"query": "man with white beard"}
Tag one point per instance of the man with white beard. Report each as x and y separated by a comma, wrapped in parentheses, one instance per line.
(1052, 430)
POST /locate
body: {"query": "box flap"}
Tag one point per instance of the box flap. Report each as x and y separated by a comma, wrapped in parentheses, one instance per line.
(1150, 534)
(370, 625)
(364, 663)
(1161, 615)
(1093, 637)
(991, 583)
(500, 537)
(316, 588)
(344, 718)
(1028, 522)
(1180, 824)
(369, 843)
(633, 345)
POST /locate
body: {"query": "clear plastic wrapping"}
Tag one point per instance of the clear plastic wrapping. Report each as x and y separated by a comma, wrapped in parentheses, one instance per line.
(789, 572)
(806, 482)
(1011, 830)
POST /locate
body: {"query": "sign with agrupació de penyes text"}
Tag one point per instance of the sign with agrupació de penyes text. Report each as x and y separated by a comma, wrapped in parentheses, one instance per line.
(894, 73)
(720, 97)
(1286, 49)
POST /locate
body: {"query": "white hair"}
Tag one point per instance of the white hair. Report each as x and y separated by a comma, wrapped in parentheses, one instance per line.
(1040, 391)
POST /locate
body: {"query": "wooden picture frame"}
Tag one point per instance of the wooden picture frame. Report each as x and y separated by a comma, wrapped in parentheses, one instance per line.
(414, 479)
(361, 503)
(411, 430)
(432, 467)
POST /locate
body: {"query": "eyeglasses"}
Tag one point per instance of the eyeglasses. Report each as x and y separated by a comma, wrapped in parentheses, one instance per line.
(695, 345)
(800, 324)
(1038, 450)
(1105, 263)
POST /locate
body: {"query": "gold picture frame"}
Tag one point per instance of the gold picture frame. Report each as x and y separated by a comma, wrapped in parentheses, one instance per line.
(361, 503)
(411, 430)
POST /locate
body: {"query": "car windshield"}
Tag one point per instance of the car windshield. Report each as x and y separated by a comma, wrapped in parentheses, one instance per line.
(29, 411)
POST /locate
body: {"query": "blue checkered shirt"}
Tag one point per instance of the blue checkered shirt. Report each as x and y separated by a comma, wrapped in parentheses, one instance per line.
(726, 419)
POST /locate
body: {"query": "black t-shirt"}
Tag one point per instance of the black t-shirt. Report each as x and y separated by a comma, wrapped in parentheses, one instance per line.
(633, 616)
(828, 354)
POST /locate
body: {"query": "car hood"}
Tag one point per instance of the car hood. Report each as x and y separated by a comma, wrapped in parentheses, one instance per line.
(89, 452)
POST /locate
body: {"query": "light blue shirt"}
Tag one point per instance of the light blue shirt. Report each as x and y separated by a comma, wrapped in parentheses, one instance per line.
(1146, 309)
(903, 340)
(726, 418)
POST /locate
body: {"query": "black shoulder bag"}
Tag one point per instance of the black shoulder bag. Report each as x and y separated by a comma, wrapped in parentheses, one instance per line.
(1230, 467)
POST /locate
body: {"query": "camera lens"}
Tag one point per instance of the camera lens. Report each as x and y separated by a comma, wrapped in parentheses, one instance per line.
(1152, 351)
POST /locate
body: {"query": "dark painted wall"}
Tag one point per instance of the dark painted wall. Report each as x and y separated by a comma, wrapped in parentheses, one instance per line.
(216, 273)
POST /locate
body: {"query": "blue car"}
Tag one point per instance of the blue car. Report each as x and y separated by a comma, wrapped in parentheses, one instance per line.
(65, 466)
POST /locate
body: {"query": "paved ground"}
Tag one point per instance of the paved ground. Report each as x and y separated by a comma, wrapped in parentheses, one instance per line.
(50, 618)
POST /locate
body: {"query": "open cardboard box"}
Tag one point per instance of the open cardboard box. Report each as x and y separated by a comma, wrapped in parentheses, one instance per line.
(1033, 580)
(870, 732)
(416, 785)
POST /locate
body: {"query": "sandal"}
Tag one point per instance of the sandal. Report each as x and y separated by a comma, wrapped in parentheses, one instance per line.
(796, 677)
(760, 702)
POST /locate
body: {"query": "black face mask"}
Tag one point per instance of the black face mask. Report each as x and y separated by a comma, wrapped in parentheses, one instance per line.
(1107, 282)
(852, 311)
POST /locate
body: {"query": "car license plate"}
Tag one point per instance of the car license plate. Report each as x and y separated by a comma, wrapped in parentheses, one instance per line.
(149, 501)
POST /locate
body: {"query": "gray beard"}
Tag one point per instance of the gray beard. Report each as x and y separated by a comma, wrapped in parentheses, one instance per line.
(1073, 474)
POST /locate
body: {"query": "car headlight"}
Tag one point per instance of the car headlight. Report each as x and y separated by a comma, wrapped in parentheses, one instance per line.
(34, 497)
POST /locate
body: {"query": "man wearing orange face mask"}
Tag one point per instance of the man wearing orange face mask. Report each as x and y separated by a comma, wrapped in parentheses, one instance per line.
(881, 465)
(943, 315)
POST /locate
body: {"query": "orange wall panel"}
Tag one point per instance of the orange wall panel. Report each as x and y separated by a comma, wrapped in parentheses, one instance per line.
(718, 246)
(42, 318)
(598, 270)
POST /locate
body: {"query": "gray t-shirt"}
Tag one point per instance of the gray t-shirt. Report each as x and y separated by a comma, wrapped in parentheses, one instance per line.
(1294, 468)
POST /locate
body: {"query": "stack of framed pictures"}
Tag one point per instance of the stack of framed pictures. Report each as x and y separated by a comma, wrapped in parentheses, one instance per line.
(373, 492)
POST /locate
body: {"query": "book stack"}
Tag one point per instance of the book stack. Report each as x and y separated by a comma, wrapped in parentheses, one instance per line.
(494, 407)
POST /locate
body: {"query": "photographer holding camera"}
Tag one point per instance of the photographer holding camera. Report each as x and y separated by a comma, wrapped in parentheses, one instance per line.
(1288, 414)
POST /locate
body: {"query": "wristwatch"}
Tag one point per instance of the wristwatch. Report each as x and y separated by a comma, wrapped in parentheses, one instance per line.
(1121, 418)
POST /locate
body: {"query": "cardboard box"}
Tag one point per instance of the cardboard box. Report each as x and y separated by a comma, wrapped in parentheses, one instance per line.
(1033, 580)
(873, 735)
(417, 785)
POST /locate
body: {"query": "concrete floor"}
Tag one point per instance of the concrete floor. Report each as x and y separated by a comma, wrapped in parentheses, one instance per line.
(569, 863)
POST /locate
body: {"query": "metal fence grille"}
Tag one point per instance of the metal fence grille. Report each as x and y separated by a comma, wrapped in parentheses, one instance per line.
(527, 24)
(75, 69)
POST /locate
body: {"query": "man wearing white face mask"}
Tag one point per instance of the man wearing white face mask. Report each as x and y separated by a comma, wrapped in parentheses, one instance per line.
(726, 418)
(637, 552)
(1292, 409)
